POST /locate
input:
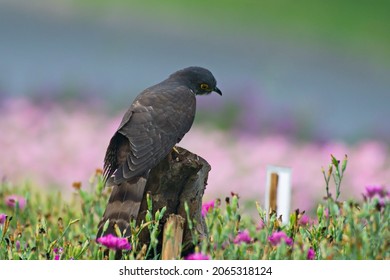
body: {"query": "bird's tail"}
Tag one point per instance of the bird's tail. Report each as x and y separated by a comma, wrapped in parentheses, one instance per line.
(123, 206)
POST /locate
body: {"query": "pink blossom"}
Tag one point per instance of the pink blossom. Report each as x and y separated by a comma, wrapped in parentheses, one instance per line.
(382, 203)
(17, 245)
(278, 236)
(197, 256)
(13, 200)
(373, 190)
(242, 237)
(58, 252)
(304, 220)
(2, 218)
(260, 225)
(113, 242)
(207, 206)
(311, 254)
(61, 138)
(326, 212)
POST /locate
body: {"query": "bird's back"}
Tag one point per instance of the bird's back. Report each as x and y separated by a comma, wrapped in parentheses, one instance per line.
(158, 118)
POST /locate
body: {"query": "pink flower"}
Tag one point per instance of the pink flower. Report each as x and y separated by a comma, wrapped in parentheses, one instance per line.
(326, 212)
(2, 218)
(260, 225)
(242, 237)
(197, 256)
(115, 243)
(278, 236)
(13, 200)
(17, 245)
(381, 203)
(57, 252)
(304, 220)
(373, 190)
(207, 206)
(311, 254)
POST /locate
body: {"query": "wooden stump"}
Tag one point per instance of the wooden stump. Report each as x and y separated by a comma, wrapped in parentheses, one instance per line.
(172, 237)
(179, 178)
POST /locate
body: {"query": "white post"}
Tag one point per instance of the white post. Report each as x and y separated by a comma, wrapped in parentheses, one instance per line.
(278, 192)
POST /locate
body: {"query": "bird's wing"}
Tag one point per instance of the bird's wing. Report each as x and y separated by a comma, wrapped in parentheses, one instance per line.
(119, 146)
(159, 118)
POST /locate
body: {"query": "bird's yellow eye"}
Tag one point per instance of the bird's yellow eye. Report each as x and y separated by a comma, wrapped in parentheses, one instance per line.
(204, 86)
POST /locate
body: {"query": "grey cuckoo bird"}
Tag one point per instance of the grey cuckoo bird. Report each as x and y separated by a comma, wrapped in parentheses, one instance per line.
(157, 119)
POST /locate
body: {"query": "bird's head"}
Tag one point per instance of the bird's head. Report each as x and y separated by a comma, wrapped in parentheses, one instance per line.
(200, 80)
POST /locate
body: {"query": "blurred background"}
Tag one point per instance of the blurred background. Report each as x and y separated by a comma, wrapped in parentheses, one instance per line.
(301, 80)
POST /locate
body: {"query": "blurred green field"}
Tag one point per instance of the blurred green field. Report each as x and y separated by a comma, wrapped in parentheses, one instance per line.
(359, 26)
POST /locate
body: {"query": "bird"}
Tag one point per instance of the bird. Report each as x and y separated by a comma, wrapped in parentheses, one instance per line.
(155, 122)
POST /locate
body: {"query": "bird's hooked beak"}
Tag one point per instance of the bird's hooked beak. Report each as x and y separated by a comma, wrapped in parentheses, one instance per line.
(217, 90)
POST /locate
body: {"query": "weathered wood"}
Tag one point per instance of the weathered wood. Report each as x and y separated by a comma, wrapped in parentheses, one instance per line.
(172, 237)
(273, 205)
(179, 178)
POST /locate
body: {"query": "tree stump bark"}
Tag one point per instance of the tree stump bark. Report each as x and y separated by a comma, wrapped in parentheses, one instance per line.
(177, 179)
(172, 237)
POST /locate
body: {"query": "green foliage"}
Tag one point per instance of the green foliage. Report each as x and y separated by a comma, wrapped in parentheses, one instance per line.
(341, 230)
(337, 175)
(49, 227)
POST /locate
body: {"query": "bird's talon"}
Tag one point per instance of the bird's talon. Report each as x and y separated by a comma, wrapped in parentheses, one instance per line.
(175, 150)
(175, 154)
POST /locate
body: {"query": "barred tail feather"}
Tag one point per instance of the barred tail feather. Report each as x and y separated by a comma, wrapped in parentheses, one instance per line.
(123, 206)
